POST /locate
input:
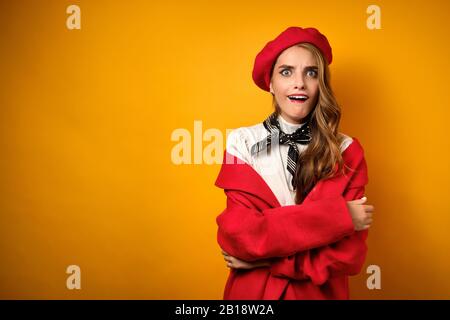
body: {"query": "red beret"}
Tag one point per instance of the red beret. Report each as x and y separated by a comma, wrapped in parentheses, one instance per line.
(293, 35)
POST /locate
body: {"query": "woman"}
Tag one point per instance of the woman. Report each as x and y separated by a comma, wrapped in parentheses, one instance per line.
(295, 224)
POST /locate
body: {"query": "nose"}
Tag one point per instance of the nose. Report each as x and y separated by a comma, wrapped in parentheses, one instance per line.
(299, 82)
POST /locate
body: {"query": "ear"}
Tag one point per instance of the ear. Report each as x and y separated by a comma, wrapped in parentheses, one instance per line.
(271, 88)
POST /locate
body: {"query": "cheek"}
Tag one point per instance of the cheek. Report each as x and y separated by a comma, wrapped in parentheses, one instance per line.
(280, 85)
(314, 88)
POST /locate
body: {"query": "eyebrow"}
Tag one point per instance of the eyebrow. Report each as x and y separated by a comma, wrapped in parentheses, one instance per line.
(291, 67)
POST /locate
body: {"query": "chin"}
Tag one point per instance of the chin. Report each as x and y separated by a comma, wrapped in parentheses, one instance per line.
(297, 114)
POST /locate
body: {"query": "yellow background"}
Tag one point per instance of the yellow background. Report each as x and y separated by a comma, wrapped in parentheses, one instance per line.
(87, 117)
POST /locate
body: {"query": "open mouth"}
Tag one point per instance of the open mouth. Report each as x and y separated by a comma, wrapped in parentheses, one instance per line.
(298, 98)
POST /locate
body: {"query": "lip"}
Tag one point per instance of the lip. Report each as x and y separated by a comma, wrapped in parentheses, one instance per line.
(298, 94)
(298, 101)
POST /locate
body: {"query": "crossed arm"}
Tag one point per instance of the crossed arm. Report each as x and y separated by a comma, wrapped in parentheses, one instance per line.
(249, 234)
(343, 257)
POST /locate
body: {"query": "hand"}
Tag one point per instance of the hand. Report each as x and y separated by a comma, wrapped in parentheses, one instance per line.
(233, 262)
(361, 213)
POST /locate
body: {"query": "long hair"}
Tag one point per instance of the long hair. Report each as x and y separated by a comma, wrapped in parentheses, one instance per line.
(322, 155)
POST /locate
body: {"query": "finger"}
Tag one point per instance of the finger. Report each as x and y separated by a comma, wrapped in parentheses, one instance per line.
(229, 258)
(225, 253)
(359, 201)
(363, 199)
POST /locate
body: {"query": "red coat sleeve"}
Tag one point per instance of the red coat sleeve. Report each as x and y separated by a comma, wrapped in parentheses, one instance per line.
(250, 234)
(345, 257)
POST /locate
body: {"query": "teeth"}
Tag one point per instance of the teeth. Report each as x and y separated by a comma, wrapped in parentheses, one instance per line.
(298, 97)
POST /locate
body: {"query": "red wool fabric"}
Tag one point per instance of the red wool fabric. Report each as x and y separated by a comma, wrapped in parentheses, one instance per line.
(313, 246)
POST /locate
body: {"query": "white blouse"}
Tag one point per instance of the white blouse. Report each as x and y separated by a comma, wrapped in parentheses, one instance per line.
(271, 166)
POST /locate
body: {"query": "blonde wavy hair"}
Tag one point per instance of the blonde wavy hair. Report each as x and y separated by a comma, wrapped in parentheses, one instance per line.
(319, 159)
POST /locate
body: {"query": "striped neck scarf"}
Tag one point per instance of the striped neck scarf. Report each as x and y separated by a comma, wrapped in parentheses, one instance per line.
(302, 136)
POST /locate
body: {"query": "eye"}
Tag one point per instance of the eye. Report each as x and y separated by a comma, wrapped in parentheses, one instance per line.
(282, 72)
(312, 73)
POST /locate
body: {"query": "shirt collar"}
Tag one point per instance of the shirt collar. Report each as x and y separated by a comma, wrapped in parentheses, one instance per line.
(288, 127)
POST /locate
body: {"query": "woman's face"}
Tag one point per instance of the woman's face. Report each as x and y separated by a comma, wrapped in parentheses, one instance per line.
(295, 73)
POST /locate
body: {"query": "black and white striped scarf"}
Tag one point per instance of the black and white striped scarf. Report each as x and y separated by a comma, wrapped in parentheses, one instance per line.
(302, 136)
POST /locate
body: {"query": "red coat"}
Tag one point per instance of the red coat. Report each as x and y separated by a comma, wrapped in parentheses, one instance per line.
(313, 246)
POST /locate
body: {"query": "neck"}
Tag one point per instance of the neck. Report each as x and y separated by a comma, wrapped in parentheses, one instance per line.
(292, 121)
